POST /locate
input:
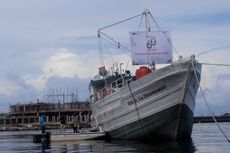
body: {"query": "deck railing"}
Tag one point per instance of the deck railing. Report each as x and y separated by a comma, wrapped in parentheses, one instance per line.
(113, 87)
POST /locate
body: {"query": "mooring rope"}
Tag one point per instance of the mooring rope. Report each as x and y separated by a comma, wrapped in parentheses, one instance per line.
(139, 119)
(209, 109)
(215, 64)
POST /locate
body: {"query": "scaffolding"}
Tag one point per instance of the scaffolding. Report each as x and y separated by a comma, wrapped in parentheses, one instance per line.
(61, 95)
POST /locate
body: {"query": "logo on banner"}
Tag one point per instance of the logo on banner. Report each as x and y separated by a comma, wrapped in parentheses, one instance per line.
(151, 46)
(151, 43)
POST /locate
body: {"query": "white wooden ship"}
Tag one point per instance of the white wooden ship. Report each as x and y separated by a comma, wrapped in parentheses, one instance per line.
(152, 104)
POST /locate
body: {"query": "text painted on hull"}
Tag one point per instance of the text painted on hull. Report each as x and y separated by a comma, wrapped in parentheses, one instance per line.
(145, 95)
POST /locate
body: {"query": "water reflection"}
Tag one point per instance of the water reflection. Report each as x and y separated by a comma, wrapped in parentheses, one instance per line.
(45, 147)
(100, 146)
(205, 139)
(185, 146)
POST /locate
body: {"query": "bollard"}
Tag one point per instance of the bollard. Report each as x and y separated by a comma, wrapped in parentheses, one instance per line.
(42, 138)
(37, 138)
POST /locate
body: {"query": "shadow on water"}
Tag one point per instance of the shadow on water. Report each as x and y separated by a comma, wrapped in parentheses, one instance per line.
(20, 143)
(127, 146)
(182, 146)
(45, 147)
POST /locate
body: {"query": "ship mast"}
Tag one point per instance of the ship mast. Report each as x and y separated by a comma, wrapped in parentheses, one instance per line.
(148, 29)
(146, 14)
(147, 19)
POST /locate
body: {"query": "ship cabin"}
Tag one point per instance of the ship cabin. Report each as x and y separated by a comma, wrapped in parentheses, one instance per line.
(102, 86)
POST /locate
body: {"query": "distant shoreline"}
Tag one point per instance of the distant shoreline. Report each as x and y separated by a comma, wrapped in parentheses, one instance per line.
(209, 119)
(196, 119)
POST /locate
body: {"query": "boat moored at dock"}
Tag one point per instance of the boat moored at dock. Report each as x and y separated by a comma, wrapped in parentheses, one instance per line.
(154, 103)
(61, 137)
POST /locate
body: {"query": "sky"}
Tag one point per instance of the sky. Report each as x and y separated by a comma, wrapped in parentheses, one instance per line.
(52, 44)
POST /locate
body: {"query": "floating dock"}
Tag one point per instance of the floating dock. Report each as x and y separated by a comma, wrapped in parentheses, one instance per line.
(76, 136)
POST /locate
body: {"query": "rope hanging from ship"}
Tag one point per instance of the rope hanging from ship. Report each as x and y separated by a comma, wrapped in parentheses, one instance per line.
(138, 115)
(206, 102)
(214, 64)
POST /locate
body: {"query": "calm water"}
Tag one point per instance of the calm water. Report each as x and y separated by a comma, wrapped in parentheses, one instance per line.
(206, 138)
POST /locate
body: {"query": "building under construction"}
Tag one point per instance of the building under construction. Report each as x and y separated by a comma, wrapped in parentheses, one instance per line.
(27, 116)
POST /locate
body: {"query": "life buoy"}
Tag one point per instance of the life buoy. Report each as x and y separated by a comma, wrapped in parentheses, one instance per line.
(142, 71)
(106, 91)
(96, 96)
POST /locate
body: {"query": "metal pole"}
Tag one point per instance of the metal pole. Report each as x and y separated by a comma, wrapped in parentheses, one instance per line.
(147, 20)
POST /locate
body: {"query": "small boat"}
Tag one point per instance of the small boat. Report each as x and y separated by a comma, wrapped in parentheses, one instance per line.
(153, 103)
(76, 136)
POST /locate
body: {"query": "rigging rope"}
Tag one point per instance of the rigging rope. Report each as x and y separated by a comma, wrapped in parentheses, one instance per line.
(160, 29)
(120, 46)
(140, 22)
(126, 48)
(101, 56)
(120, 22)
(118, 43)
(108, 50)
(100, 50)
(138, 115)
(111, 42)
(213, 50)
(215, 64)
(127, 63)
(209, 109)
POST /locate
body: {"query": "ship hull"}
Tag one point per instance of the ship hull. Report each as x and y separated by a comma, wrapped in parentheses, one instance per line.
(177, 123)
(159, 105)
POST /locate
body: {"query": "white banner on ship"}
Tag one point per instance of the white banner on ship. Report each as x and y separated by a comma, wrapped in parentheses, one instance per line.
(151, 46)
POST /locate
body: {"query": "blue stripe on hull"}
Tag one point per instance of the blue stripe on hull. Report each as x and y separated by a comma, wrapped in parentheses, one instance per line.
(175, 122)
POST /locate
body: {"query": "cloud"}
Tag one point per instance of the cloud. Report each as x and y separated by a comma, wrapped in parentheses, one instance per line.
(9, 88)
(37, 82)
(65, 63)
(44, 44)
(82, 43)
(210, 18)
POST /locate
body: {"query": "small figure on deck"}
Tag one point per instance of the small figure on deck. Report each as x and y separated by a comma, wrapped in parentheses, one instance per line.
(75, 125)
(153, 66)
(43, 123)
(63, 122)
